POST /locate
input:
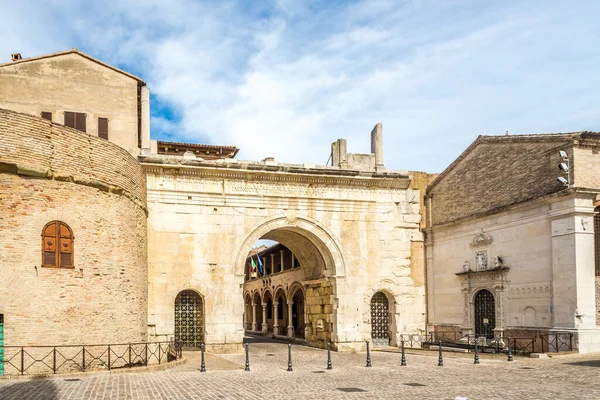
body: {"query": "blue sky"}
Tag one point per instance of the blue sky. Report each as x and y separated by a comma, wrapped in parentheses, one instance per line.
(285, 78)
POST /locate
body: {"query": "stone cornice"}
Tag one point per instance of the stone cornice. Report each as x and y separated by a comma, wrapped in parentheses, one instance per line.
(275, 173)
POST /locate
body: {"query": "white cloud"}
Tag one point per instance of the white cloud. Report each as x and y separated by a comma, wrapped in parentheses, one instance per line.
(286, 78)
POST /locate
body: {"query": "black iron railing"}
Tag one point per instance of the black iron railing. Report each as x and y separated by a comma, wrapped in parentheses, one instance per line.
(553, 342)
(40, 360)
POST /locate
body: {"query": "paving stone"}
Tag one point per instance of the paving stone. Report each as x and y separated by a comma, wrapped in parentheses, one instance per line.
(568, 376)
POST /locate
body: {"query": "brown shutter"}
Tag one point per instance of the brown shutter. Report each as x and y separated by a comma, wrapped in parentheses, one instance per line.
(47, 115)
(70, 119)
(103, 128)
(80, 121)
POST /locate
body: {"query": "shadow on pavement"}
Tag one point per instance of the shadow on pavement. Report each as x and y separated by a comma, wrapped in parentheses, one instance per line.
(588, 363)
(42, 389)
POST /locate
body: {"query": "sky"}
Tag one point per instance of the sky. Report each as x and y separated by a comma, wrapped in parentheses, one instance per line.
(285, 78)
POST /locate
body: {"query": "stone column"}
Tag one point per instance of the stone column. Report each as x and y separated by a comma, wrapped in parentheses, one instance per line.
(281, 258)
(275, 319)
(254, 327)
(145, 120)
(377, 145)
(265, 326)
(273, 263)
(293, 260)
(290, 327)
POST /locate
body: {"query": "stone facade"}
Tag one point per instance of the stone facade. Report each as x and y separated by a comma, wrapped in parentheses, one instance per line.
(76, 82)
(351, 232)
(541, 231)
(49, 172)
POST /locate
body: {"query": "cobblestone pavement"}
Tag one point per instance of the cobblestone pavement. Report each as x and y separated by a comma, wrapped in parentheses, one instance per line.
(563, 377)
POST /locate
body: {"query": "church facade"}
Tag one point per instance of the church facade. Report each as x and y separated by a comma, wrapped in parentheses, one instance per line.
(104, 224)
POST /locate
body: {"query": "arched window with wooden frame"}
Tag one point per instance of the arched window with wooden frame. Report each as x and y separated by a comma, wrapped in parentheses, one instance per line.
(57, 245)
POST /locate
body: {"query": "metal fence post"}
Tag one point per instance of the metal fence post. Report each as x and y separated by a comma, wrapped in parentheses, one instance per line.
(368, 355)
(109, 357)
(403, 359)
(289, 358)
(129, 355)
(54, 360)
(22, 361)
(146, 353)
(247, 366)
(159, 348)
(440, 358)
(83, 358)
(202, 364)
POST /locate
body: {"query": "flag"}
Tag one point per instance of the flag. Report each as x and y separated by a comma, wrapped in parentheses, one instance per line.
(260, 264)
(253, 268)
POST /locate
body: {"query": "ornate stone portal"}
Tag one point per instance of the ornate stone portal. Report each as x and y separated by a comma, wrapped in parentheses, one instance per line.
(484, 278)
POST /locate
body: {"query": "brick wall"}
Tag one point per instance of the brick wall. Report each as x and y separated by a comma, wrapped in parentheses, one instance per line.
(49, 172)
(497, 173)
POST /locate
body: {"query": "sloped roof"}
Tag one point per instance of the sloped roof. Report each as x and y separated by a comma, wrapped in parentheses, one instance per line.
(529, 137)
(73, 51)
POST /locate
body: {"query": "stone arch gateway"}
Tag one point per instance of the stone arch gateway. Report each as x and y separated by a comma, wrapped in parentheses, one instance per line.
(350, 230)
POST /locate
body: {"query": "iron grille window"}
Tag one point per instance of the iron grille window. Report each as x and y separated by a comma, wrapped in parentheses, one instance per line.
(597, 239)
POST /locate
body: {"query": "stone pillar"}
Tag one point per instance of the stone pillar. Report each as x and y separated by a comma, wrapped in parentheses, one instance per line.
(273, 263)
(293, 260)
(339, 153)
(377, 145)
(572, 258)
(290, 327)
(254, 327)
(275, 319)
(145, 120)
(281, 258)
(265, 326)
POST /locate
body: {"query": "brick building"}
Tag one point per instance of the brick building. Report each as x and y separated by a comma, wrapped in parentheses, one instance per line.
(510, 249)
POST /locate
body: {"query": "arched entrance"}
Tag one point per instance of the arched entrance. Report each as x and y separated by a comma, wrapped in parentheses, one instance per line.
(485, 314)
(299, 250)
(298, 313)
(189, 319)
(380, 319)
(258, 314)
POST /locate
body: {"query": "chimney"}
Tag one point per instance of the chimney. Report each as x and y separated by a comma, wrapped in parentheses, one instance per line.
(16, 56)
(377, 145)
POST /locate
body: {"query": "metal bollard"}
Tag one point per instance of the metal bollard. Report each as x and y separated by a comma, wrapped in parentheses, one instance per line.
(476, 353)
(247, 367)
(440, 358)
(329, 356)
(202, 364)
(289, 358)
(509, 351)
(368, 355)
(403, 359)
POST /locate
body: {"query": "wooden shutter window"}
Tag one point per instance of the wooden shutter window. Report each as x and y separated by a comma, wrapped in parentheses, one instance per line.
(103, 128)
(75, 120)
(80, 122)
(70, 119)
(57, 245)
(47, 115)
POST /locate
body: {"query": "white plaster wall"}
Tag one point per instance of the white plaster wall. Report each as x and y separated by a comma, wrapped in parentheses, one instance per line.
(521, 237)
